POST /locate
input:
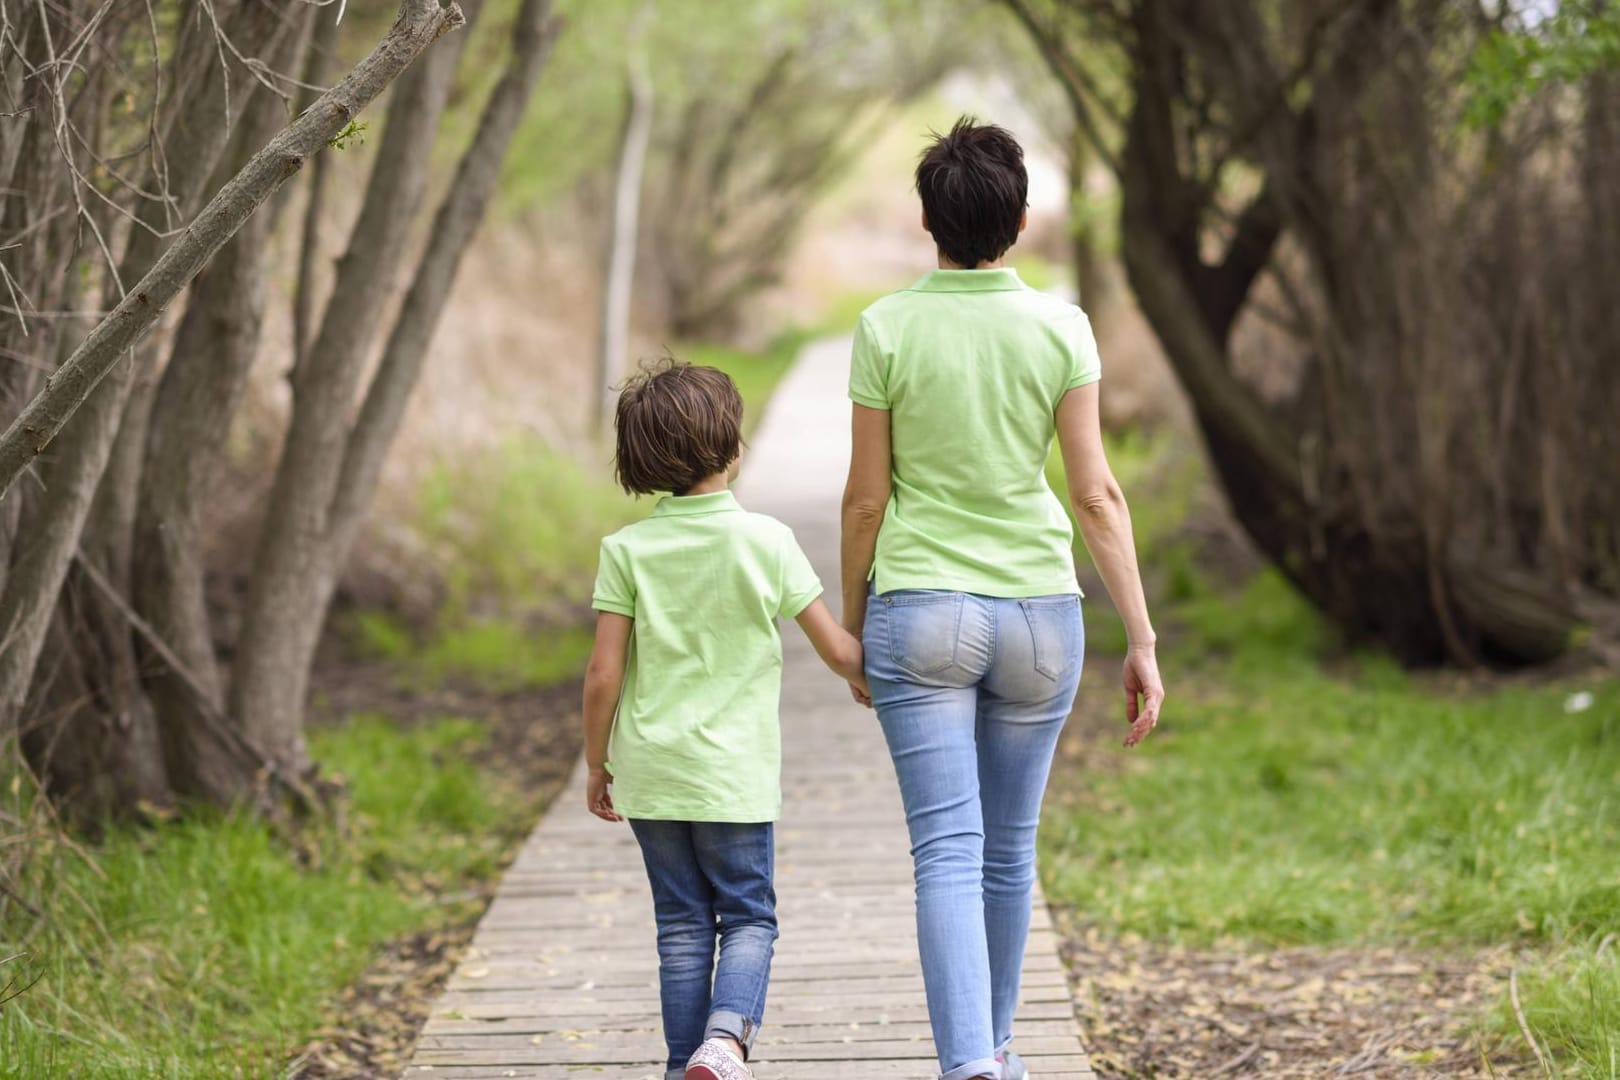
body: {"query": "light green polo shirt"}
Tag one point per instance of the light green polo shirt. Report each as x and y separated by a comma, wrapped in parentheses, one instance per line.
(971, 365)
(697, 736)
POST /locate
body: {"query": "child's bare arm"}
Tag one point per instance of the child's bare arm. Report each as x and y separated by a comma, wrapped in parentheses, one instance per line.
(604, 679)
(837, 647)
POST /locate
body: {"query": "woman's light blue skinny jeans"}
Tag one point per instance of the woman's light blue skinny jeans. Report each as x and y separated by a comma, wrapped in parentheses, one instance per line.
(972, 693)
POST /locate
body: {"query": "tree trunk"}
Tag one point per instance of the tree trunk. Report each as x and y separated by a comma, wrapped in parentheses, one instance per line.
(1339, 492)
(109, 723)
(1091, 269)
(197, 400)
(309, 248)
(454, 227)
(283, 617)
(421, 23)
(621, 265)
(32, 590)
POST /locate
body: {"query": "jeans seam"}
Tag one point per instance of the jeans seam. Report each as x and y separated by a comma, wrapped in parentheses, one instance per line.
(1041, 667)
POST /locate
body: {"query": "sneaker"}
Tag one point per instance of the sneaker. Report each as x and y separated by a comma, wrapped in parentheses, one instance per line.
(714, 1062)
(1012, 1066)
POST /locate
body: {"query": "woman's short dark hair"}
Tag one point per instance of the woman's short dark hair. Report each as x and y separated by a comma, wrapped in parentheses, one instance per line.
(974, 189)
(676, 424)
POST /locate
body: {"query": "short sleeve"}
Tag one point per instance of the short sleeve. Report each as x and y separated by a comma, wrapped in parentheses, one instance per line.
(800, 585)
(868, 369)
(615, 588)
(1085, 363)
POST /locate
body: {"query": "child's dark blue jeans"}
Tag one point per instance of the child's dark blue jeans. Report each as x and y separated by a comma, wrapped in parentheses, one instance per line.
(711, 881)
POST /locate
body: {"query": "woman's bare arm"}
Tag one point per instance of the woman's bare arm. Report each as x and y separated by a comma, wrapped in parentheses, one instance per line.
(1105, 522)
(866, 501)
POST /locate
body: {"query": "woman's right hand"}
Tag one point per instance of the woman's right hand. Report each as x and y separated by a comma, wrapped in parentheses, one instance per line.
(1144, 693)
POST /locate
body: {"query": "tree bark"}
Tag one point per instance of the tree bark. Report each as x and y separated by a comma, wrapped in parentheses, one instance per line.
(457, 222)
(282, 620)
(25, 609)
(109, 743)
(196, 402)
(309, 248)
(421, 23)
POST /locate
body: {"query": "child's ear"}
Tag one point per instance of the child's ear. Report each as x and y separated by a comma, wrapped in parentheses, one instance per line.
(926, 229)
(1023, 222)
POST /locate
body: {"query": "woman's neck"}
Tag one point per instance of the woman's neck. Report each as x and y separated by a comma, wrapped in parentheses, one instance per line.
(946, 264)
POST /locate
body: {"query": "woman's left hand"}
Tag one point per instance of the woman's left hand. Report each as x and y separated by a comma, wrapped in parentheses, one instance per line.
(1144, 693)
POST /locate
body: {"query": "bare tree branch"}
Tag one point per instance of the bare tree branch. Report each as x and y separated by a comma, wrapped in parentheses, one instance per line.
(421, 22)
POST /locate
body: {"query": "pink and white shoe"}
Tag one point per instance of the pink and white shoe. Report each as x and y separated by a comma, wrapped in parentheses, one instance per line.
(1012, 1066)
(712, 1061)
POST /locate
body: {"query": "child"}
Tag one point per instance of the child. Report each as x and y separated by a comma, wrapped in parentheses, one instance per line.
(681, 700)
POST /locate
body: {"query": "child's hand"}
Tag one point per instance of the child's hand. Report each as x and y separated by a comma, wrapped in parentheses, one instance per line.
(598, 799)
(861, 693)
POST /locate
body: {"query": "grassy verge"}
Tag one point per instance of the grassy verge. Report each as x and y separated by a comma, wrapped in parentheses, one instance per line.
(205, 948)
(1301, 793)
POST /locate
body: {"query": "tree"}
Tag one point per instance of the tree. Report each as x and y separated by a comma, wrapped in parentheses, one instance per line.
(131, 702)
(1432, 476)
(758, 124)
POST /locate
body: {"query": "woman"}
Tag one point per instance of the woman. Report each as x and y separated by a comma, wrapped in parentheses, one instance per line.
(958, 573)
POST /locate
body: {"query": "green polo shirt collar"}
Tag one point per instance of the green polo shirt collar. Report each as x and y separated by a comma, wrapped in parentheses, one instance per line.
(1000, 279)
(715, 502)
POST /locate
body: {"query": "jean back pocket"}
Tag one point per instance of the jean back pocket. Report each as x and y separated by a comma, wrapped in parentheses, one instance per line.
(1054, 627)
(924, 628)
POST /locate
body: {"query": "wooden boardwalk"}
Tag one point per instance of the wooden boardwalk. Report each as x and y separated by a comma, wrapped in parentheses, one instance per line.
(561, 979)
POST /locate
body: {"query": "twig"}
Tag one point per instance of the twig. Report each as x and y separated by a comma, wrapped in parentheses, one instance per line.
(1524, 1027)
(16, 301)
(30, 908)
(1238, 1062)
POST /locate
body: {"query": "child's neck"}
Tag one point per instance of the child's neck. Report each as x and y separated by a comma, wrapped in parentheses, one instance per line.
(709, 484)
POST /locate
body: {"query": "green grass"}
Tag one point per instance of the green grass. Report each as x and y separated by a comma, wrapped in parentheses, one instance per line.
(516, 530)
(517, 527)
(1297, 793)
(204, 948)
(494, 652)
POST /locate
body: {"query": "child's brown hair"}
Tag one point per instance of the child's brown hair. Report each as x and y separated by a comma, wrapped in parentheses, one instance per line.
(676, 423)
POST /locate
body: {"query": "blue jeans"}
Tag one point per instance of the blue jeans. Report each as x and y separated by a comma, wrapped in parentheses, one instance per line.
(972, 693)
(710, 881)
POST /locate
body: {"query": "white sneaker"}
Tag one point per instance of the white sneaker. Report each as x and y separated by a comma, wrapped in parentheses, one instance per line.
(1012, 1067)
(713, 1061)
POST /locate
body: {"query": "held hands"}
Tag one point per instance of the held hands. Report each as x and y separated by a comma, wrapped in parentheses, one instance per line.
(859, 689)
(598, 799)
(1144, 693)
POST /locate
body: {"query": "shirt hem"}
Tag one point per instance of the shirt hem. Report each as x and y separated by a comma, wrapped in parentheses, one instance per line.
(999, 590)
(795, 609)
(614, 608)
(715, 815)
(869, 402)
